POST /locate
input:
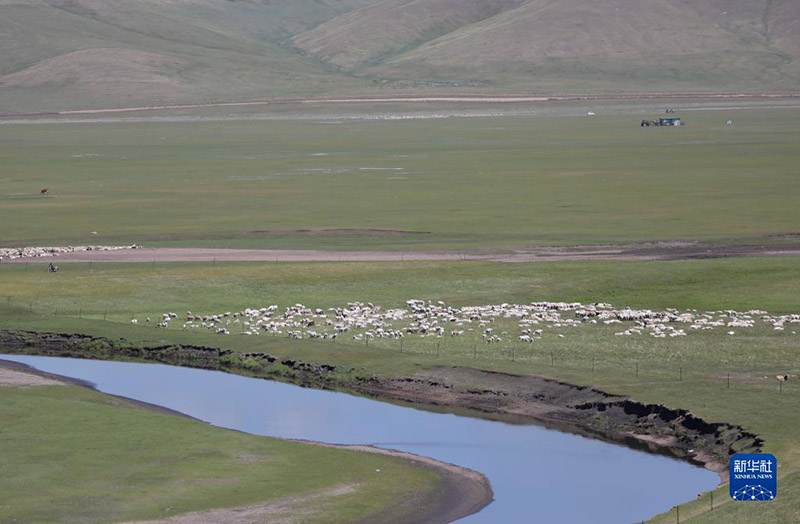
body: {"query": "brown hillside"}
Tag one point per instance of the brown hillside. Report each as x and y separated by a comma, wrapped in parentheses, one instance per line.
(666, 44)
(390, 27)
(69, 54)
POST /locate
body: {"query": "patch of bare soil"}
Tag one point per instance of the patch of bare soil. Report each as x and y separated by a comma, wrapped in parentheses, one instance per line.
(339, 232)
(281, 511)
(13, 378)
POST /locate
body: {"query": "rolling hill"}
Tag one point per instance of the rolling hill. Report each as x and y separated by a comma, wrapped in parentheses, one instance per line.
(65, 54)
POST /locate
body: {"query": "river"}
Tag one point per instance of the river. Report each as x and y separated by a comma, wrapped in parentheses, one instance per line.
(538, 474)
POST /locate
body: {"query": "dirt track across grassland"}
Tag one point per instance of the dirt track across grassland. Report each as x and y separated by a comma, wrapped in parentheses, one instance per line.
(655, 251)
(415, 99)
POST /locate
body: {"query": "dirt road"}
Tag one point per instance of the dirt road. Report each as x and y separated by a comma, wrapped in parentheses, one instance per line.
(456, 98)
(656, 251)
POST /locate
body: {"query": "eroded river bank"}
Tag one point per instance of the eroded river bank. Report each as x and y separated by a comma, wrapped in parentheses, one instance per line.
(523, 462)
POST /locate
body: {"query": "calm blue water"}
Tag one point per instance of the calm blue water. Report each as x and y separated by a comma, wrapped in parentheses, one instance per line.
(538, 475)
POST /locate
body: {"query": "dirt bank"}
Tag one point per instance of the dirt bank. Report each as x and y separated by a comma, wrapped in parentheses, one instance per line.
(461, 491)
(20, 379)
(577, 409)
(652, 251)
(513, 398)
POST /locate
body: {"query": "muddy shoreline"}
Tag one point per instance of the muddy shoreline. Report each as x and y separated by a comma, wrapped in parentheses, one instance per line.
(462, 491)
(522, 399)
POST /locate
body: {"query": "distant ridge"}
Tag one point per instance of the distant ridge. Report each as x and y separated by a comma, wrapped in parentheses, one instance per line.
(83, 54)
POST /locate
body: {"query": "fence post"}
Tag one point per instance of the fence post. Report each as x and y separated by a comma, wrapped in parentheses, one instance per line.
(729, 380)
(680, 373)
(552, 359)
(637, 369)
(592, 364)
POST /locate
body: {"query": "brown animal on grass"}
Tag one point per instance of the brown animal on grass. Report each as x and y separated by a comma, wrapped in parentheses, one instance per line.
(44, 190)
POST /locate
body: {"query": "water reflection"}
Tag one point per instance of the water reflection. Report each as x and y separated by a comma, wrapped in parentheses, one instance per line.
(538, 474)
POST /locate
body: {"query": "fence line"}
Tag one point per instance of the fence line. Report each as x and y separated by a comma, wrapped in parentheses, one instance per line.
(531, 354)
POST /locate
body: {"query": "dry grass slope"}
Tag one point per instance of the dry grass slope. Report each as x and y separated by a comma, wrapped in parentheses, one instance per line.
(54, 50)
(621, 42)
(388, 28)
(156, 51)
(99, 70)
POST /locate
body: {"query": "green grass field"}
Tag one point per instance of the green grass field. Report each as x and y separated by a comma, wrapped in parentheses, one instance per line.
(689, 372)
(464, 183)
(71, 454)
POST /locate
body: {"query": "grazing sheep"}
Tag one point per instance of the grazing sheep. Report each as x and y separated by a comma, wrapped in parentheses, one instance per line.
(429, 319)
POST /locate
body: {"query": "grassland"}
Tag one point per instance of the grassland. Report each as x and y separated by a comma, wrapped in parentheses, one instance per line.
(72, 453)
(105, 297)
(483, 183)
(689, 372)
(470, 183)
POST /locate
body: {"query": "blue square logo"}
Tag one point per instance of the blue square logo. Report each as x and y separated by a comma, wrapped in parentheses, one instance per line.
(754, 477)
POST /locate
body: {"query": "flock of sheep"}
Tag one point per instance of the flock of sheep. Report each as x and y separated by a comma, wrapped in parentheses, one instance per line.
(13, 253)
(515, 323)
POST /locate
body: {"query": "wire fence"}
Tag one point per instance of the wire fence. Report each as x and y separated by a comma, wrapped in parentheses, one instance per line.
(781, 376)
